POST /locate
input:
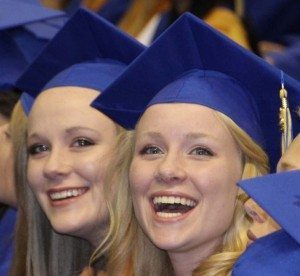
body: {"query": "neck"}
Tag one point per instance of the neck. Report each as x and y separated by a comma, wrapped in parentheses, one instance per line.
(94, 235)
(185, 262)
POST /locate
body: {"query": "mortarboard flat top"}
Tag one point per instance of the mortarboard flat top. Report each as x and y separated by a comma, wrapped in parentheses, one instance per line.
(16, 13)
(24, 30)
(279, 195)
(193, 59)
(273, 20)
(88, 51)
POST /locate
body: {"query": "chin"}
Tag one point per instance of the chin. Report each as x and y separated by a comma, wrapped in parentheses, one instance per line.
(66, 228)
(167, 242)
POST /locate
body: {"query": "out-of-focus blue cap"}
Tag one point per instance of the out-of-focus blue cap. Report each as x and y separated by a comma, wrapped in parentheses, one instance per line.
(272, 20)
(277, 253)
(24, 30)
(88, 52)
(193, 63)
(113, 10)
(17, 13)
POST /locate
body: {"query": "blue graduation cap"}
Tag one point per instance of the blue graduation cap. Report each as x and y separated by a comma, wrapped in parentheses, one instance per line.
(19, 13)
(24, 30)
(272, 20)
(88, 51)
(277, 253)
(193, 63)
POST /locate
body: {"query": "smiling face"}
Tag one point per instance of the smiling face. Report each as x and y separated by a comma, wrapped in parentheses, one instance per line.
(69, 148)
(183, 177)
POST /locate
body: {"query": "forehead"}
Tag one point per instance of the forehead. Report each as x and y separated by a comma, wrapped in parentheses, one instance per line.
(182, 118)
(65, 107)
(68, 96)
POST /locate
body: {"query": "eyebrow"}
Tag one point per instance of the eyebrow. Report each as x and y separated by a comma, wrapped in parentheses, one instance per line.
(197, 135)
(79, 128)
(70, 130)
(34, 136)
(189, 136)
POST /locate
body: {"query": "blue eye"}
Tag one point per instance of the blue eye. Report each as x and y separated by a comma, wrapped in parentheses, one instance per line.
(201, 151)
(83, 142)
(151, 150)
(38, 148)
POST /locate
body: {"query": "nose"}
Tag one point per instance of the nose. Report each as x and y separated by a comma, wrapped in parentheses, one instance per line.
(171, 170)
(57, 165)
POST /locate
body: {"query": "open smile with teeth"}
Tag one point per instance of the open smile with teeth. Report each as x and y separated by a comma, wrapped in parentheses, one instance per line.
(172, 206)
(65, 194)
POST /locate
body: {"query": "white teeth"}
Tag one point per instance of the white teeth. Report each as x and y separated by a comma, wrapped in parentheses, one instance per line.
(173, 199)
(67, 194)
(168, 215)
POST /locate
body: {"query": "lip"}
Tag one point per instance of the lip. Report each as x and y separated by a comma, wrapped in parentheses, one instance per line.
(67, 201)
(172, 193)
(175, 194)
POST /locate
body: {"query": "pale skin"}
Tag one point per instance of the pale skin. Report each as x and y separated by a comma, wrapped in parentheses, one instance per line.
(7, 181)
(182, 157)
(70, 145)
(3, 120)
(263, 224)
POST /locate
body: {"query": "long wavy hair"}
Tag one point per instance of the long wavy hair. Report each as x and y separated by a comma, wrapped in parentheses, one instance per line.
(129, 251)
(39, 250)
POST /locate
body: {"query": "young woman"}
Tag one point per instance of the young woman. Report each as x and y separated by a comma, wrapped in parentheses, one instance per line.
(69, 146)
(197, 132)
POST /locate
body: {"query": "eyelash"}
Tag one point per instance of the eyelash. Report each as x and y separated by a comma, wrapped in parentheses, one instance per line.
(83, 142)
(151, 150)
(37, 149)
(156, 150)
(204, 151)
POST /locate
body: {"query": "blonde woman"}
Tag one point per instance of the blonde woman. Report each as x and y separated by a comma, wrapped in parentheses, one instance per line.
(68, 147)
(197, 117)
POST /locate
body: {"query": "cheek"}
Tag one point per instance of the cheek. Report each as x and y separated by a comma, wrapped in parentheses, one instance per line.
(93, 166)
(219, 189)
(35, 175)
(140, 177)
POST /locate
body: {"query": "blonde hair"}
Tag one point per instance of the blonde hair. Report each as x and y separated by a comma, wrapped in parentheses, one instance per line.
(39, 250)
(235, 239)
(129, 251)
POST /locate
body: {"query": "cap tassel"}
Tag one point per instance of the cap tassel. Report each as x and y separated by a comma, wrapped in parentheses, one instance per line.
(285, 121)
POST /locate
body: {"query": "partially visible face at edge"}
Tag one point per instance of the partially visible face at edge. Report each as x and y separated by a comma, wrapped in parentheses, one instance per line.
(183, 177)
(69, 148)
(7, 176)
(3, 120)
(263, 224)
